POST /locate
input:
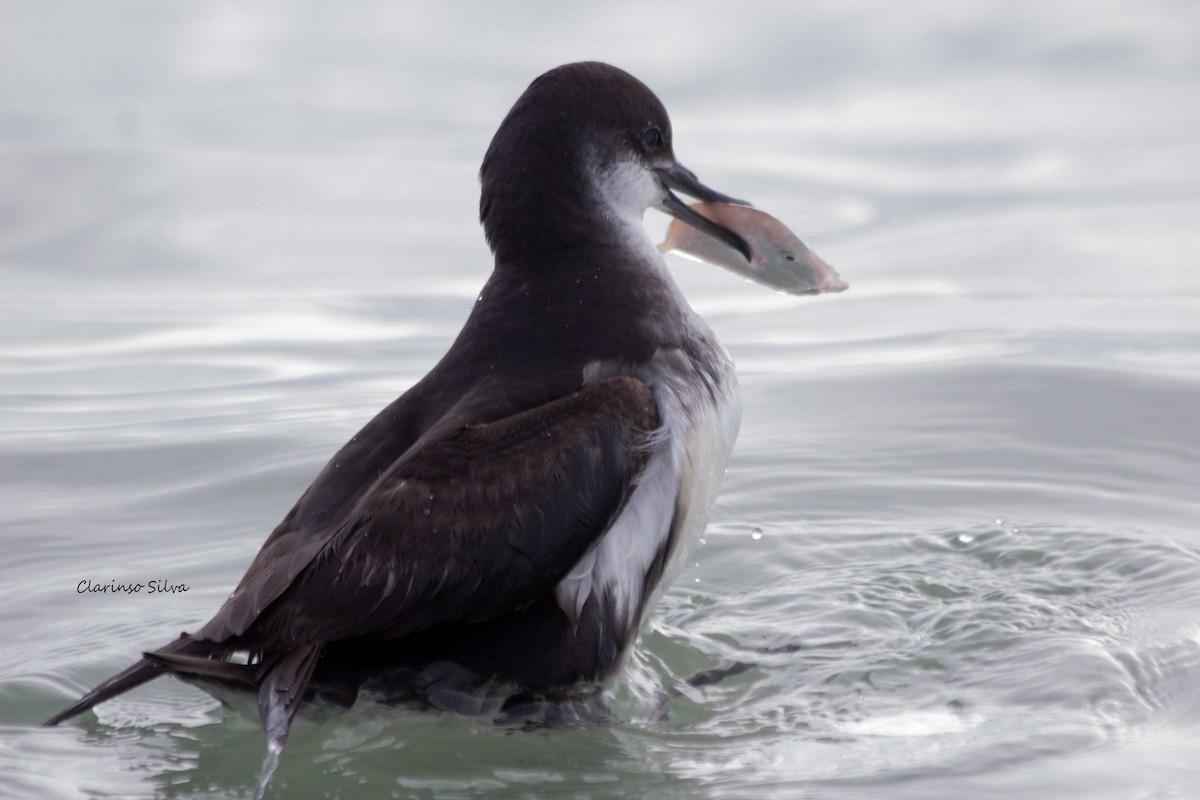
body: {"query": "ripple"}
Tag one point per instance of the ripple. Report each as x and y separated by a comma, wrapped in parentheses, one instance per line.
(967, 636)
(973, 476)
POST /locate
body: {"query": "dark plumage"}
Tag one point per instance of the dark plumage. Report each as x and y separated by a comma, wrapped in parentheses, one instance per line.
(447, 529)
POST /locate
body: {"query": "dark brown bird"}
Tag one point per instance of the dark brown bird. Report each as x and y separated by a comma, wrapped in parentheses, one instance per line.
(511, 517)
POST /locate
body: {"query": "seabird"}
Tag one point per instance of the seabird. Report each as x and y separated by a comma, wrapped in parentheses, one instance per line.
(512, 517)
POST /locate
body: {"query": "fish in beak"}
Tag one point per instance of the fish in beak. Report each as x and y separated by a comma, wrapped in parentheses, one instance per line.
(731, 234)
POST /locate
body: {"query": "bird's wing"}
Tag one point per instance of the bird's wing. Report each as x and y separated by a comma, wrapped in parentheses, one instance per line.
(465, 528)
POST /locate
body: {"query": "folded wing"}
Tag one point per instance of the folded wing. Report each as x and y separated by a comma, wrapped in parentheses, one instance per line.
(462, 528)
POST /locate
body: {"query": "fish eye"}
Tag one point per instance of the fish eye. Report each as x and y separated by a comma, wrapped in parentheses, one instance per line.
(652, 137)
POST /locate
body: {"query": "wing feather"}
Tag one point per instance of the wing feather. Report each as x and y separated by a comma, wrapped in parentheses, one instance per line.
(476, 524)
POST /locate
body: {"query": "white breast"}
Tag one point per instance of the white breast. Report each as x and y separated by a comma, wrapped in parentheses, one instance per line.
(700, 413)
(696, 391)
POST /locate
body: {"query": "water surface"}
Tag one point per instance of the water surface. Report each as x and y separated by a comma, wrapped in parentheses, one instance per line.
(966, 489)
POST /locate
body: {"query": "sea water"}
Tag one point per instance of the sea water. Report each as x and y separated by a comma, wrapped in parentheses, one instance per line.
(958, 541)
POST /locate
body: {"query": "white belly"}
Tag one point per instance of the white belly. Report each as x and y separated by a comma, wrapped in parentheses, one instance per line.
(700, 414)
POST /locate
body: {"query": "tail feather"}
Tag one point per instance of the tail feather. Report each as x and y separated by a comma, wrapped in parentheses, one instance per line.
(247, 675)
(281, 679)
(139, 673)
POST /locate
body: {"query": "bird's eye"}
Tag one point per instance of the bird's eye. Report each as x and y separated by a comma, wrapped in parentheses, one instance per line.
(652, 137)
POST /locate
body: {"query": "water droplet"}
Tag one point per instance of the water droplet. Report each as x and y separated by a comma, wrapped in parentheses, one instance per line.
(269, 765)
(756, 534)
(999, 520)
(965, 538)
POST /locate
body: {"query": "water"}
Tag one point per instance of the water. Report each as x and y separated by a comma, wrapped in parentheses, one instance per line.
(966, 488)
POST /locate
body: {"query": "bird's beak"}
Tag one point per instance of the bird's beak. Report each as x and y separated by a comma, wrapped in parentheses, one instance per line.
(732, 234)
(680, 177)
